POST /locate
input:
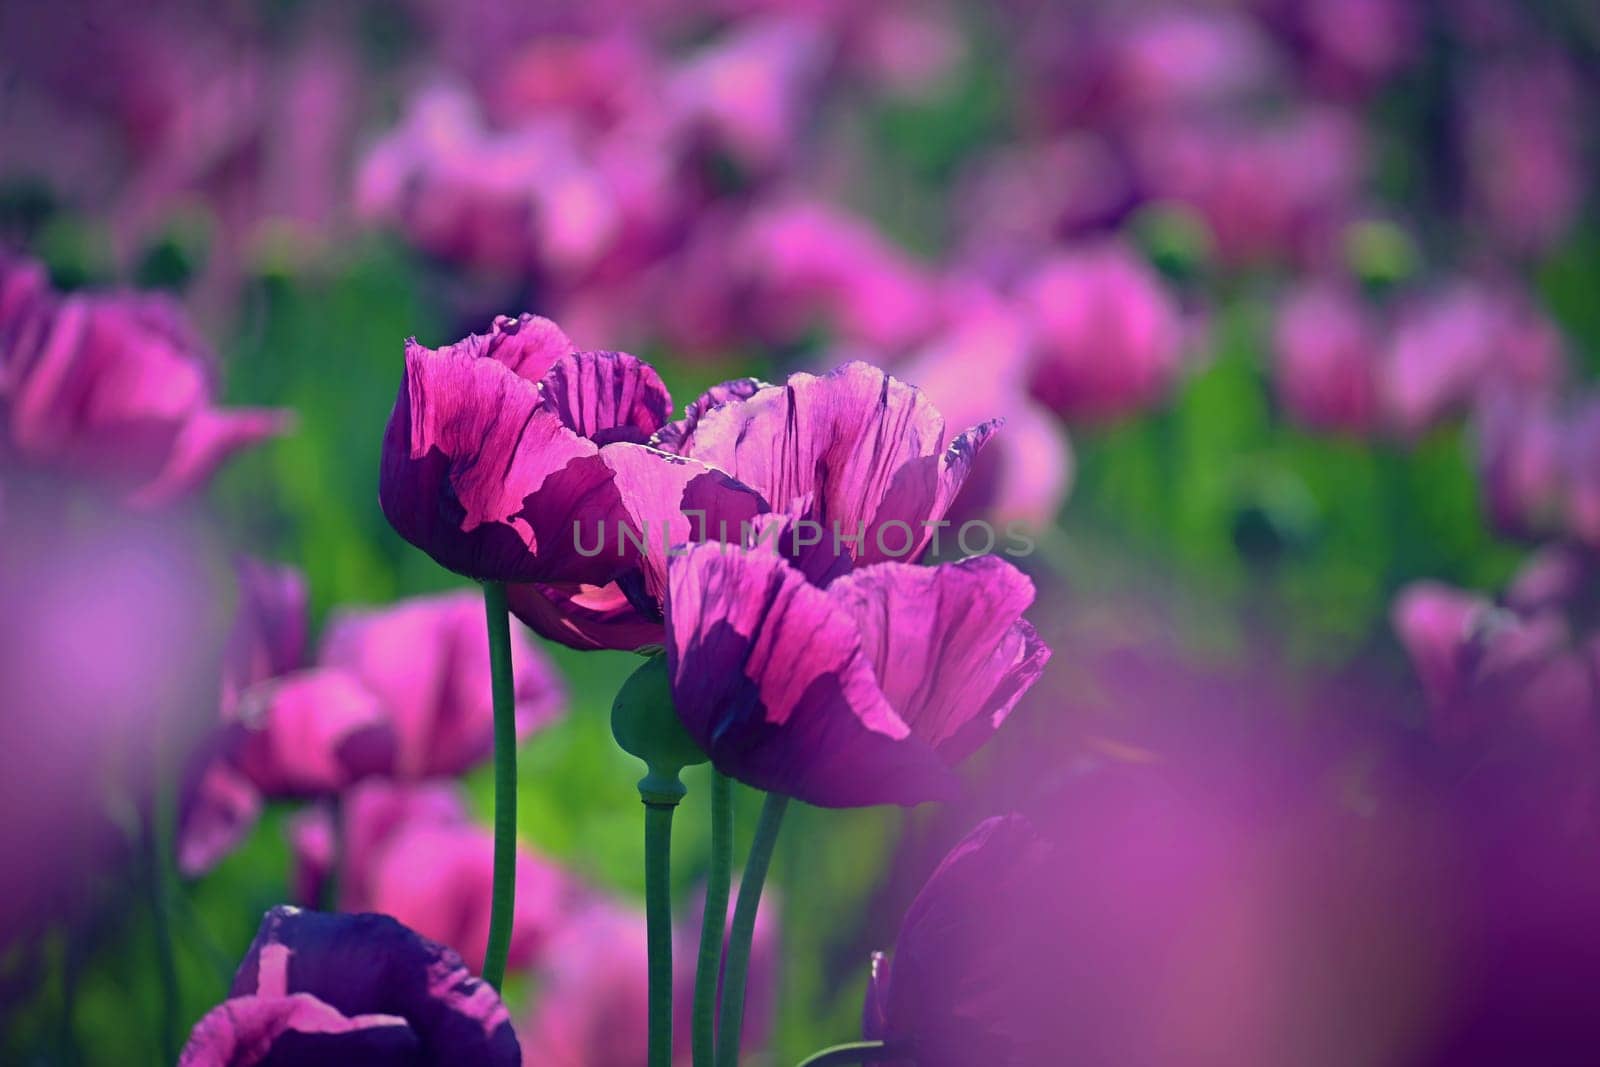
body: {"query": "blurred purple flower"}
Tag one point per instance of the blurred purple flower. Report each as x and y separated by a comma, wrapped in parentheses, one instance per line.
(1452, 346)
(427, 660)
(534, 199)
(1355, 45)
(309, 734)
(400, 691)
(750, 90)
(590, 1010)
(1174, 59)
(1524, 150)
(1108, 338)
(977, 369)
(1264, 188)
(409, 851)
(104, 674)
(1327, 343)
(799, 264)
(115, 387)
(866, 691)
(1493, 675)
(371, 813)
(336, 989)
(438, 879)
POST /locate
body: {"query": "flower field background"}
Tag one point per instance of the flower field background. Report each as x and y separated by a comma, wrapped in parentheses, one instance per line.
(1289, 312)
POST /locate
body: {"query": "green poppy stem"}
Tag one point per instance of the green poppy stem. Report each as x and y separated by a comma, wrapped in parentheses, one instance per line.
(730, 1030)
(854, 1052)
(709, 967)
(658, 917)
(503, 901)
(159, 838)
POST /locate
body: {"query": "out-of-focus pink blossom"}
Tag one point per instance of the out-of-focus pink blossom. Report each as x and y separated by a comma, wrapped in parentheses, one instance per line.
(802, 264)
(113, 387)
(1355, 44)
(1166, 59)
(1018, 200)
(590, 1009)
(1265, 188)
(427, 660)
(1466, 341)
(1108, 338)
(750, 91)
(1524, 149)
(1494, 673)
(978, 369)
(410, 852)
(1327, 346)
(528, 198)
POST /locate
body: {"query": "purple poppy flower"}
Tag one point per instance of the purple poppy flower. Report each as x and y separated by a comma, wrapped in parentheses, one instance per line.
(864, 692)
(864, 454)
(427, 660)
(115, 387)
(327, 989)
(1327, 344)
(1524, 153)
(1108, 338)
(509, 454)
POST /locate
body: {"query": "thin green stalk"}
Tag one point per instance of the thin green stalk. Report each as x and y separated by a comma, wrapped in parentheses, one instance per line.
(159, 839)
(658, 916)
(709, 967)
(853, 1052)
(730, 1029)
(503, 901)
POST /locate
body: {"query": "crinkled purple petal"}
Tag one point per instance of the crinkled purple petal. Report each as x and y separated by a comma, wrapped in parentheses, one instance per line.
(528, 344)
(585, 617)
(479, 474)
(852, 439)
(607, 396)
(297, 1030)
(768, 676)
(371, 964)
(672, 501)
(948, 644)
(675, 435)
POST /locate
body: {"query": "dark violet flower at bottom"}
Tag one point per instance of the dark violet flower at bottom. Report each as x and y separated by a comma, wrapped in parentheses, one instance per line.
(352, 989)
